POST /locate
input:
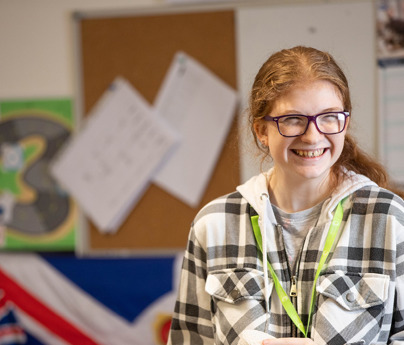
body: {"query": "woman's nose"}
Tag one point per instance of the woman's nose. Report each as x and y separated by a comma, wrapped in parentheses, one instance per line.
(312, 134)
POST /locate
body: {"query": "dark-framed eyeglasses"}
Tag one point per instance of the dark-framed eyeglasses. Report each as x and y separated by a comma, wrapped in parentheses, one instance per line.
(293, 125)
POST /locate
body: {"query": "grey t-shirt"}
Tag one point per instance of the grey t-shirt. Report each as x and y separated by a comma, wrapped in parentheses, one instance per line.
(295, 227)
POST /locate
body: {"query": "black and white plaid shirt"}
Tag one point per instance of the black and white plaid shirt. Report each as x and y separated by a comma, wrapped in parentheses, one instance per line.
(359, 294)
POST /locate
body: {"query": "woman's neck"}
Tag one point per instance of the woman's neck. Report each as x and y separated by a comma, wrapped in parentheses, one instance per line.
(294, 196)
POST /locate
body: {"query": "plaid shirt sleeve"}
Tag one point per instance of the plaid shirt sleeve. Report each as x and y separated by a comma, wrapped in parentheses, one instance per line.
(192, 323)
(397, 329)
(221, 284)
(393, 206)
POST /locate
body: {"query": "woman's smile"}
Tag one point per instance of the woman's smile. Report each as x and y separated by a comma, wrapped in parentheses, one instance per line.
(309, 153)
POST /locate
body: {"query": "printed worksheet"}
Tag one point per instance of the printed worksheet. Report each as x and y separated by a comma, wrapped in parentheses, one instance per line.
(110, 163)
(201, 107)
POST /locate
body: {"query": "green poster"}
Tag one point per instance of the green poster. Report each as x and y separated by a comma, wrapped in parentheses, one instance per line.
(35, 212)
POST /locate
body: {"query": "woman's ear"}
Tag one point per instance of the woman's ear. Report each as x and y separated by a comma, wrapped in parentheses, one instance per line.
(261, 131)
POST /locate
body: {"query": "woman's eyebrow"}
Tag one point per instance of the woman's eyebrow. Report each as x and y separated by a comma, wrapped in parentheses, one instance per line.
(297, 112)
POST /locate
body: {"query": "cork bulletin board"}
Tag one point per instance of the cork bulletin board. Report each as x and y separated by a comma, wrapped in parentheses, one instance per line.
(140, 47)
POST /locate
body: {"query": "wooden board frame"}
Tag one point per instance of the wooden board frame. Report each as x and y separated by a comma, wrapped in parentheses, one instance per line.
(140, 47)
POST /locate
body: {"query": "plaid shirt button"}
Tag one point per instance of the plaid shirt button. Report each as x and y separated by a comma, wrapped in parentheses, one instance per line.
(350, 297)
(235, 294)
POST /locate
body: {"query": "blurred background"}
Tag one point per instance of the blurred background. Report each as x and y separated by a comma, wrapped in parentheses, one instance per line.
(64, 279)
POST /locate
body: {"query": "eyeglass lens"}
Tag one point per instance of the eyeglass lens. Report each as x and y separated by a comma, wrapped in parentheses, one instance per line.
(329, 123)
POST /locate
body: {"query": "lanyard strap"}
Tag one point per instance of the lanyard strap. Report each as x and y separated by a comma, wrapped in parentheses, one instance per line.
(284, 298)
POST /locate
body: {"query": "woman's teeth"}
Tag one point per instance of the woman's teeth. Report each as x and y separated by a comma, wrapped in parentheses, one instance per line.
(315, 153)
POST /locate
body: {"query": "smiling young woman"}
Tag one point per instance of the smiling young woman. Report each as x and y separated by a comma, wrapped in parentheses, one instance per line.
(284, 71)
(302, 154)
(310, 251)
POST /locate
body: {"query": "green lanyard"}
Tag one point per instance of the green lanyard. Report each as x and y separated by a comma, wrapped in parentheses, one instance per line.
(284, 298)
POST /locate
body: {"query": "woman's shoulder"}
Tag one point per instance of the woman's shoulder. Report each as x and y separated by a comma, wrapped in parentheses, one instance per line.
(376, 192)
(219, 220)
(231, 203)
(383, 200)
(376, 210)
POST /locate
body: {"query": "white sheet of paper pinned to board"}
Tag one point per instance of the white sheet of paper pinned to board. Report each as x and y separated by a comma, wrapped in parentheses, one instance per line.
(109, 164)
(201, 107)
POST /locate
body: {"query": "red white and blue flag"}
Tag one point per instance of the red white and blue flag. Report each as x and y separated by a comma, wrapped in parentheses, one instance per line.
(59, 299)
(10, 331)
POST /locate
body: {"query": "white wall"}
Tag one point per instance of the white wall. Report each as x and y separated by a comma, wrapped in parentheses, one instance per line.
(37, 48)
(36, 44)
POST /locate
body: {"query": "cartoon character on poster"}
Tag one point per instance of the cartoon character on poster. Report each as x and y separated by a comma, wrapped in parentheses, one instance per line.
(35, 213)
